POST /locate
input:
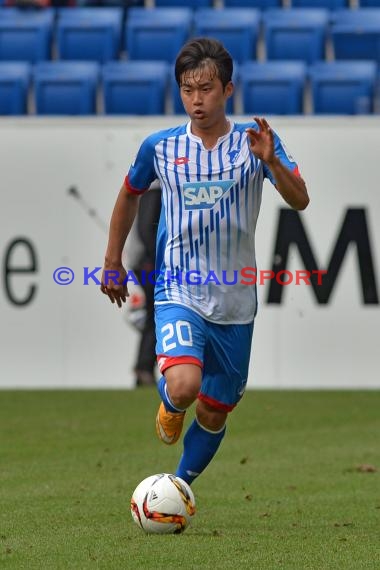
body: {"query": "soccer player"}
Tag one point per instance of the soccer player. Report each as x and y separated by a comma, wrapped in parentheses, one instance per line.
(211, 171)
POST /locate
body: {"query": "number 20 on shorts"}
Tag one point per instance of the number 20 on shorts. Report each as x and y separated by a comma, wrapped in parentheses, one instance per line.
(176, 334)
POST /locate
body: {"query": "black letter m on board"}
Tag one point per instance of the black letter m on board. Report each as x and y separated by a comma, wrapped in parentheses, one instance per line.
(354, 230)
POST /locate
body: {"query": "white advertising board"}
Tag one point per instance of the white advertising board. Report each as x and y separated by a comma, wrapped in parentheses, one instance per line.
(52, 336)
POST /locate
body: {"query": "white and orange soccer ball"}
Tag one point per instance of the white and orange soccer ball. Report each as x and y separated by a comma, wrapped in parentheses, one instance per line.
(163, 504)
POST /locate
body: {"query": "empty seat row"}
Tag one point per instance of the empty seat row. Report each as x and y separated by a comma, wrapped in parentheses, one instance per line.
(144, 88)
(264, 4)
(337, 88)
(261, 4)
(101, 34)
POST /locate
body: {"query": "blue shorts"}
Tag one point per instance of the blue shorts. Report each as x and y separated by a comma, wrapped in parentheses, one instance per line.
(223, 352)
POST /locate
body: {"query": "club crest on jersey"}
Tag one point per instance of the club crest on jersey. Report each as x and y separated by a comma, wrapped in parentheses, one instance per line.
(233, 154)
(204, 195)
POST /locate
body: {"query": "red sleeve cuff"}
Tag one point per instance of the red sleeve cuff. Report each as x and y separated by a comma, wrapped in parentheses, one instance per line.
(131, 189)
(296, 171)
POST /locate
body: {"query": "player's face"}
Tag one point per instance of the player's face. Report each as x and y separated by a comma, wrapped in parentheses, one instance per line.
(204, 97)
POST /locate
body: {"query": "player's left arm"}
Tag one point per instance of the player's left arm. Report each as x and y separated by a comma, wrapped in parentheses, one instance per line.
(288, 182)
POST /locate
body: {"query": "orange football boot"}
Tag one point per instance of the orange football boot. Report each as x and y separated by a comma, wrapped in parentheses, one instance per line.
(169, 425)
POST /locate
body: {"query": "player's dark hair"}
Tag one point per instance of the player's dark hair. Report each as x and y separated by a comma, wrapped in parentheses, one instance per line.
(201, 52)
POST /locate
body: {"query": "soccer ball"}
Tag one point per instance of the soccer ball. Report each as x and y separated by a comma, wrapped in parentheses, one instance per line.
(163, 504)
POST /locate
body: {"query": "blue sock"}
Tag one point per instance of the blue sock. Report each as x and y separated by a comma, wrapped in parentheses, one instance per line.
(200, 447)
(161, 385)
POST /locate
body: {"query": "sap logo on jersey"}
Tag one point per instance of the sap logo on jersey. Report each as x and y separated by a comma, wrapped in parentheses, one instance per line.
(204, 195)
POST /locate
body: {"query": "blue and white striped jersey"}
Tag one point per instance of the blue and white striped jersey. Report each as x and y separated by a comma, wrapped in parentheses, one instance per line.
(210, 204)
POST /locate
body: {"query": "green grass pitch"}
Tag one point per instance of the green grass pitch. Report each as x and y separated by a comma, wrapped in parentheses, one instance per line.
(295, 484)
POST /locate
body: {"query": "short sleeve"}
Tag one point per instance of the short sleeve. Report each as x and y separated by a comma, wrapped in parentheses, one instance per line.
(142, 172)
(285, 157)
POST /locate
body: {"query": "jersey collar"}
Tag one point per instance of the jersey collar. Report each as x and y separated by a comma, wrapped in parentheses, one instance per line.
(218, 142)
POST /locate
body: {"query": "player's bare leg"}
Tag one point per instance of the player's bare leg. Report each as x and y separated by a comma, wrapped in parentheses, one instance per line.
(178, 391)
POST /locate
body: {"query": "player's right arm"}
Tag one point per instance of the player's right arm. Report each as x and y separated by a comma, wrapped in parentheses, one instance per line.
(122, 218)
(141, 174)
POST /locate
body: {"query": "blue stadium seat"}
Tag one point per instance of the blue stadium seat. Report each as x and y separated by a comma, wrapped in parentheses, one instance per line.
(328, 4)
(89, 34)
(273, 87)
(108, 3)
(14, 85)
(343, 87)
(177, 101)
(184, 3)
(135, 87)
(25, 35)
(261, 4)
(156, 33)
(356, 34)
(369, 3)
(66, 87)
(236, 28)
(297, 33)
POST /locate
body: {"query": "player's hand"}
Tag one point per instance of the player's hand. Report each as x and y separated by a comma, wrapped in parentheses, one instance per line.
(114, 284)
(261, 142)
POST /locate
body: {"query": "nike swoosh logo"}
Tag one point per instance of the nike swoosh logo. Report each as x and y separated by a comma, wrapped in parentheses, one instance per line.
(192, 473)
